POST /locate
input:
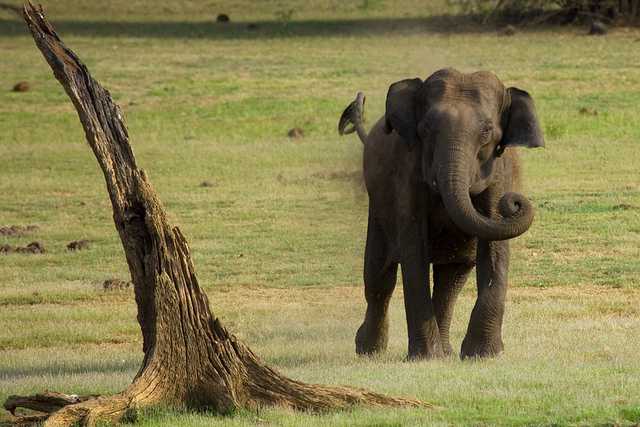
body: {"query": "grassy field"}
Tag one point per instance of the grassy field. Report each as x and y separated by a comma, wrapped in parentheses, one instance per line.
(278, 234)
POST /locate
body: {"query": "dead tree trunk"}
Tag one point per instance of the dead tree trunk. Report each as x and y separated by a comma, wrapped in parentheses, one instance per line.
(190, 360)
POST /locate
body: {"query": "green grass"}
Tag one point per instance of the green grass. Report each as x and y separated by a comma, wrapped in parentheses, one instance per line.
(282, 228)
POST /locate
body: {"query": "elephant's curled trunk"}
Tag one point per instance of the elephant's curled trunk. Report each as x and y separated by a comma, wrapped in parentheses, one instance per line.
(515, 209)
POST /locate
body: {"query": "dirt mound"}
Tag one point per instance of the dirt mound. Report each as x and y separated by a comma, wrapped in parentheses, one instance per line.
(295, 133)
(21, 87)
(31, 248)
(78, 245)
(115, 285)
(17, 230)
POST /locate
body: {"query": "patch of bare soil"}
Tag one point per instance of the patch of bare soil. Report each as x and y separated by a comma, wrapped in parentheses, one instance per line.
(78, 245)
(17, 230)
(31, 248)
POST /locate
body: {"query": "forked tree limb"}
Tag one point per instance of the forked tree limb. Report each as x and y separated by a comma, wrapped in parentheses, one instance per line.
(190, 360)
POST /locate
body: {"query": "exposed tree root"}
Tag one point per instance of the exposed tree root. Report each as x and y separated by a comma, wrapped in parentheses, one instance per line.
(190, 360)
(45, 402)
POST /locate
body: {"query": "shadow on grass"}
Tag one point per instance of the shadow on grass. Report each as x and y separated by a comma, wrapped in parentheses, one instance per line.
(255, 30)
(77, 368)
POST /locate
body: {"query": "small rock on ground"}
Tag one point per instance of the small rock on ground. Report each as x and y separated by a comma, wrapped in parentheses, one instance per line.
(223, 17)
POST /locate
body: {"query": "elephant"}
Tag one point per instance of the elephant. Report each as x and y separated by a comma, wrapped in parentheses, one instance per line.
(442, 176)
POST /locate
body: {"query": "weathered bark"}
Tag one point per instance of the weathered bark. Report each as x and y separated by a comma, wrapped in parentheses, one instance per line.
(190, 360)
(45, 402)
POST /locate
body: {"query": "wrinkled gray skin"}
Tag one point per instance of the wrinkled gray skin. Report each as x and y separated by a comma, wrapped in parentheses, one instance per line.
(441, 172)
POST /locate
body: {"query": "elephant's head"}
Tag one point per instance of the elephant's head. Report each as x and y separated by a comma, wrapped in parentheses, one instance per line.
(463, 123)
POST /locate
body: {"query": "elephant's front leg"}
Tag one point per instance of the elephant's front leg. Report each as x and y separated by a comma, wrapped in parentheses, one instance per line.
(448, 279)
(484, 334)
(380, 274)
(422, 327)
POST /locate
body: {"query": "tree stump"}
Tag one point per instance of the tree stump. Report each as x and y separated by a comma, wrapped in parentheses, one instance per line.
(190, 360)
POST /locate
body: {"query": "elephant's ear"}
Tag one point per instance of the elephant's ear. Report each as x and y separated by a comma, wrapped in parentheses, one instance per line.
(400, 114)
(522, 127)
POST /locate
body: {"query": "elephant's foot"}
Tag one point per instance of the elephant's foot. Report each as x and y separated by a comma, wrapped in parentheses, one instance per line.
(425, 354)
(446, 348)
(481, 347)
(426, 347)
(372, 339)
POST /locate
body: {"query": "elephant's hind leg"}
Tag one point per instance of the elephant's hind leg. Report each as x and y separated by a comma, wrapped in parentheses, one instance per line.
(380, 275)
(449, 279)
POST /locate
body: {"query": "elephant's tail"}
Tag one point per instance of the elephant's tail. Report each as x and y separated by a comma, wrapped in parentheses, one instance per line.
(354, 115)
